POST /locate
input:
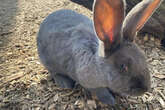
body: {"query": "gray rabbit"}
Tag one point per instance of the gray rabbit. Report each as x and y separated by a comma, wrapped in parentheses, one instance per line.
(101, 56)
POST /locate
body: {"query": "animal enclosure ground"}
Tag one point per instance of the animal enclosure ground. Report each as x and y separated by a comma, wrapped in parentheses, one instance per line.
(26, 85)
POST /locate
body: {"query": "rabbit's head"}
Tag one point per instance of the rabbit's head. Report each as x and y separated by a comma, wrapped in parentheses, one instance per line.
(129, 72)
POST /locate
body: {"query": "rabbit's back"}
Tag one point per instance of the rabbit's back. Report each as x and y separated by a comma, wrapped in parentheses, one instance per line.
(61, 34)
(63, 20)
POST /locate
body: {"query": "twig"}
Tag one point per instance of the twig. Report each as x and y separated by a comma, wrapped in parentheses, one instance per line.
(11, 78)
(162, 95)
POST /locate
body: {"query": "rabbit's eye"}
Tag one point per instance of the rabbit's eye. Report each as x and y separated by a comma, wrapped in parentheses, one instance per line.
(124, 68)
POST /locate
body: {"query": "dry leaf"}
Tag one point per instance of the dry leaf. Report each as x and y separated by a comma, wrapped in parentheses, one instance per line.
(162, 95)
(161, 101)
(77, 102)
(11, 78)
(150, 98)
(144, 99)
(160, 76)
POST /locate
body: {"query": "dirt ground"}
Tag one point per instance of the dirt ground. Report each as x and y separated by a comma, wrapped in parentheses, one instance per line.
(26, 85)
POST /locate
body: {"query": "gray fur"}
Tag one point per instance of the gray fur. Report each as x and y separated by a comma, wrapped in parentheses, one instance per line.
(67, 45)
(74, 44)
(70, 49)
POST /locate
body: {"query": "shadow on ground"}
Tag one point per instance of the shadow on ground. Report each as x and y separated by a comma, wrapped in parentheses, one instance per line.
(8, 10)
(86, 3)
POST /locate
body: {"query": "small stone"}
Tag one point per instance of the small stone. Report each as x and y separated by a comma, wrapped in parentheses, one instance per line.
(6, 100)
(56, 98)
(149, 60)
(1, 98)
(43, 81)
(85, 108)
(152, 38)
(155, 62)
(25, 107)
(155, 71)
(91, 104)
(52, 107)
(163, 62)
(154, 54)
(157, 42)
(37, 108)
(72, 107)
(17, 45)
(162, 57)
(79, 103)
(10, 53)
(38, 63)
(27, 96)
(1, 42)
(34, 84)
(145, 38)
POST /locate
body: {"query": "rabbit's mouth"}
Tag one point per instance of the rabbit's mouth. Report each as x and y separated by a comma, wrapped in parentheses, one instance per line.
(134, 92)
(138, 86)
(131, 92)
(138, 91)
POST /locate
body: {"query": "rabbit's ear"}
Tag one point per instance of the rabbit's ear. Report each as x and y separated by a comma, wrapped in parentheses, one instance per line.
(137, 17)
(108, 20)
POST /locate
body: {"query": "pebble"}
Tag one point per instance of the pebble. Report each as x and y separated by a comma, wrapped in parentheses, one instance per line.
(52, 107)
(155, 62)
(157, 42)
(1, 98)
(145, 38)
(37, 108)
(1, 42)
(154, 54)
(80, 104)
(56, 97)
(91, 104)
(152, 38)
(163, 62)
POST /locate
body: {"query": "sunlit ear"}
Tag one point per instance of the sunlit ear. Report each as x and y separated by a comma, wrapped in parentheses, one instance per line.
(108, 20)
(137, 17)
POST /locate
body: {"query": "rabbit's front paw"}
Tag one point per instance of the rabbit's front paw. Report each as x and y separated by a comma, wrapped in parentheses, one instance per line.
(64, 81)
(104, 95)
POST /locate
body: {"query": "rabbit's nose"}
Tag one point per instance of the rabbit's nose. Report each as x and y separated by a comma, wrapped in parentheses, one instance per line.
(139, 85)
